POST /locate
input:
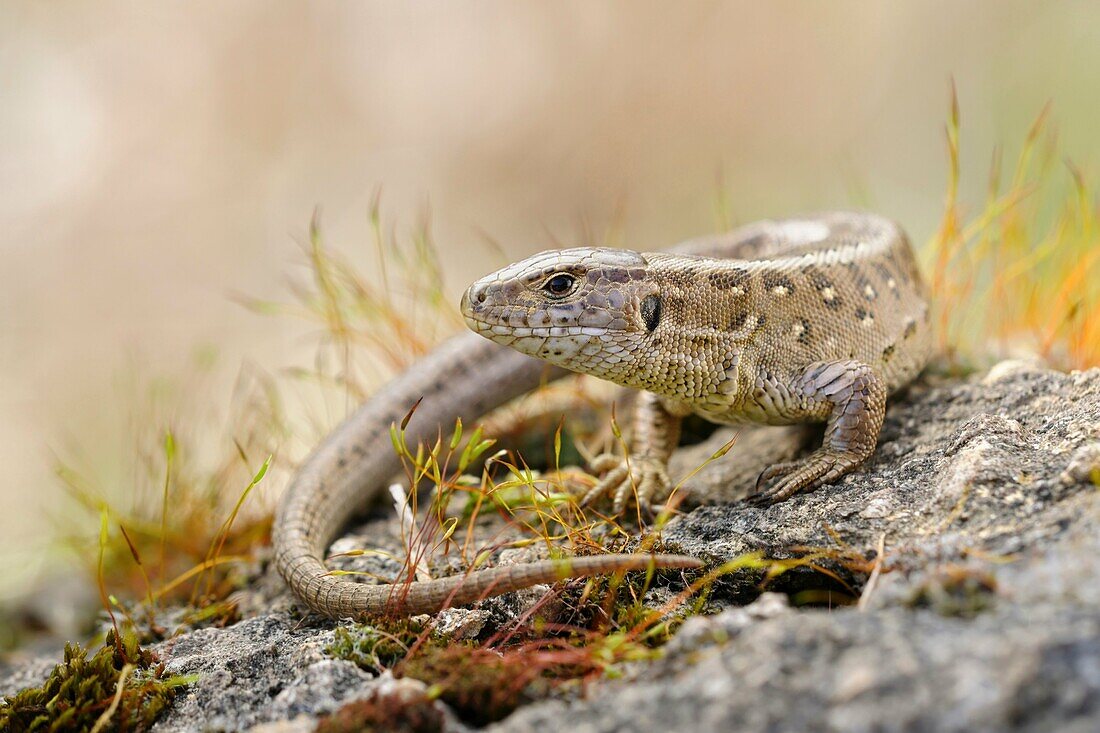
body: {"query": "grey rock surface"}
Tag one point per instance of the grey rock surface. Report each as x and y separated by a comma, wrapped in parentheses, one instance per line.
(1030, 662)
(258, 670)
(987, 619)
(983, 615)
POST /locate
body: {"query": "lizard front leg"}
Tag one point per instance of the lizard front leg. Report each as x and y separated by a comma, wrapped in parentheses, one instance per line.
(856, 402)
(644, 472)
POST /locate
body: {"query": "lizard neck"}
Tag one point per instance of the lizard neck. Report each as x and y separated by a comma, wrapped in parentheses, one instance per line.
(695, 332)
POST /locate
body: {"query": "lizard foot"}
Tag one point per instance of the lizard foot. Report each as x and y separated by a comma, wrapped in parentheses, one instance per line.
(821, 467)
(644, 478)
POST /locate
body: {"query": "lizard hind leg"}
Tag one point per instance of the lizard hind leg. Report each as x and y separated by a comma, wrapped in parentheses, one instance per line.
(856, 401)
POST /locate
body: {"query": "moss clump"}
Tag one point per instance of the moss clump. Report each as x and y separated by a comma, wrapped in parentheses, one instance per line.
(378, 713)
(374, 648)
(481, 685)
(80, 690)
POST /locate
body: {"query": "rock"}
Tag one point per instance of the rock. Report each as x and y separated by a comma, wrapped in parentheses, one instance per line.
(300, 724)
(259, 670)
(979, 517)
(1031, 663)
(461, 623)
(987, 619)
(702, 631)
(979, 465)
(1084, 466)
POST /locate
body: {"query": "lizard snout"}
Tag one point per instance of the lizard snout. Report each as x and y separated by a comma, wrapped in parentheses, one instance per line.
(475, 296)
(478, 292)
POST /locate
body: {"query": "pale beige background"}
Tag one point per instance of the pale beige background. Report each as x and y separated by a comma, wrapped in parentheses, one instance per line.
(157, 157)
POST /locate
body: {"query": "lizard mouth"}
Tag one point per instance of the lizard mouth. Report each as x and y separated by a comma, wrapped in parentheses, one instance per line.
(497, 330)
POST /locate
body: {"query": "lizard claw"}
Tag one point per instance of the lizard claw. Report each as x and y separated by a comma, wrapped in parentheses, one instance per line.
(644, 478)
(821, 467)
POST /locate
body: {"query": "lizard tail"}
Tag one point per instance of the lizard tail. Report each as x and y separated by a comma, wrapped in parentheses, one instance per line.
(465, 377)
(341, 599)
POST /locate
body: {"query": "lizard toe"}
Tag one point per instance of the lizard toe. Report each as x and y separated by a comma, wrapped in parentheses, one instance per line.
(605, 462)
(622, 493)
(608, 485)
(643, 479)
(655, 483)
(774, 471)
(821, 467)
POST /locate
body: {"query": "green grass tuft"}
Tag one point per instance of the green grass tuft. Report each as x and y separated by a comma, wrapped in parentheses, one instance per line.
(1018, 274)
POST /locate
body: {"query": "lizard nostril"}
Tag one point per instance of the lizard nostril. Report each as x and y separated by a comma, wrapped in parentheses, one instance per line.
(475, 296)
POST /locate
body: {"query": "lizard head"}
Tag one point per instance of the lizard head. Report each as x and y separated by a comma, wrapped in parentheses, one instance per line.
(587, 309)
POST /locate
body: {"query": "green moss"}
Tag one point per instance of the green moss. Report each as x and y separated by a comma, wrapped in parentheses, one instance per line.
(481, 685)
(374, 647)
(80, 690)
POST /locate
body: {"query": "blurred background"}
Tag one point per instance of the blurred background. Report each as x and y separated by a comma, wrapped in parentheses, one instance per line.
(156, 160)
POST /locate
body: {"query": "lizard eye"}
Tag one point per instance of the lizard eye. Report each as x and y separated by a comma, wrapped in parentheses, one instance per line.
(559, 284)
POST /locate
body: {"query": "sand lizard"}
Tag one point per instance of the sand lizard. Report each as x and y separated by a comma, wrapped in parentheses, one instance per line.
(802, 320)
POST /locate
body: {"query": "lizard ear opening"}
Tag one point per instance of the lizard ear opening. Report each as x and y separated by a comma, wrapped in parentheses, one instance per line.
(651, 311)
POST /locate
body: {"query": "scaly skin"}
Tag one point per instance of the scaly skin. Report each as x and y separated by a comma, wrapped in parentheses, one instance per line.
(772, 323)
(812, 320)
